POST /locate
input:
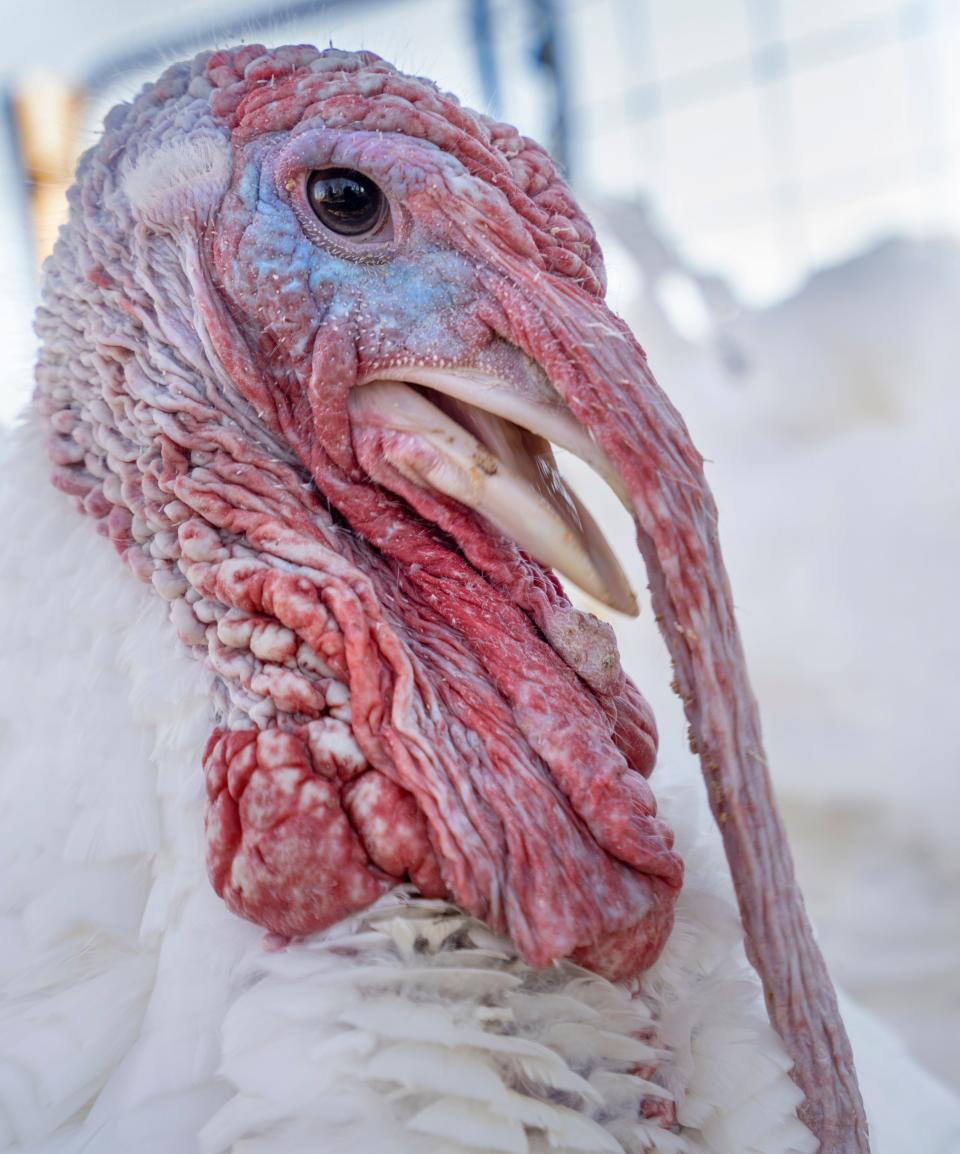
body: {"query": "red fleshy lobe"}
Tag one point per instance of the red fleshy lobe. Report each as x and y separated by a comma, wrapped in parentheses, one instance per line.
(293, 845)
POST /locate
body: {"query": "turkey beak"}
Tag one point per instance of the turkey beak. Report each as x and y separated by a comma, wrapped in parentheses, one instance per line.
(482, 436)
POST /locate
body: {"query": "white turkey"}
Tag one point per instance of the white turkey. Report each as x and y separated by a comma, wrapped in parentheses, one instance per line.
(306, 341)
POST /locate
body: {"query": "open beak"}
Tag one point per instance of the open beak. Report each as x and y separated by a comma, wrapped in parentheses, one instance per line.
(485, 441)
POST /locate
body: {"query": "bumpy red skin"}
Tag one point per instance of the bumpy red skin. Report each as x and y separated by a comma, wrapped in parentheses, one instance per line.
(571, 860)
(201, 336)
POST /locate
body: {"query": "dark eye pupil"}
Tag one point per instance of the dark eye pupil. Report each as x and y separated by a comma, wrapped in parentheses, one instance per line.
(347, 202)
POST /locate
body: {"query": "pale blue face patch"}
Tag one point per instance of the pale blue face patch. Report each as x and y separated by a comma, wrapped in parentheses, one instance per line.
(403, 306)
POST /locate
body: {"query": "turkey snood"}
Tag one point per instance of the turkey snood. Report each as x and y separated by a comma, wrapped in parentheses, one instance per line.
(327, 448)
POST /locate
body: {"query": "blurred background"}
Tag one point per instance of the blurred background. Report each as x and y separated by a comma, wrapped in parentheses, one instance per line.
(777, 188)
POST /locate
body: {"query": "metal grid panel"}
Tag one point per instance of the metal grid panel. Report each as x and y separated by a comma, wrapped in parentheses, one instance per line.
(771, 135)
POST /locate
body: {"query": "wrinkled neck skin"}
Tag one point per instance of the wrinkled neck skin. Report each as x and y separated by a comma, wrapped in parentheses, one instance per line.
(402, 693)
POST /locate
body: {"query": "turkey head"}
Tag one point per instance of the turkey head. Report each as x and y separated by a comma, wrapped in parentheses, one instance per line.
(307, 340)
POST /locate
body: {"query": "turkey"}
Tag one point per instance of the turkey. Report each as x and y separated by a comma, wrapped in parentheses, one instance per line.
(327, 824)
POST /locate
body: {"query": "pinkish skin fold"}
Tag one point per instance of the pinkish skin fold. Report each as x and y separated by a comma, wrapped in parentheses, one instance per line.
(401, 692)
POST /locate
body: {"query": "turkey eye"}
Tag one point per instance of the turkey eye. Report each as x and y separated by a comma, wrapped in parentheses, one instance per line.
(347, 202)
